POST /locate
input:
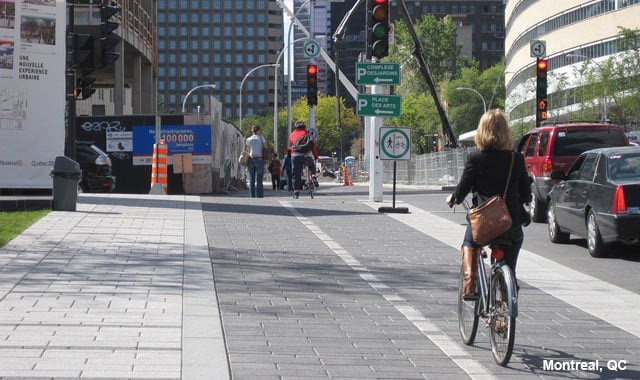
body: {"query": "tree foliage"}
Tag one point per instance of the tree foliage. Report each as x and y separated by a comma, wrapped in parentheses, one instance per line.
(442, 53)
(464, 105)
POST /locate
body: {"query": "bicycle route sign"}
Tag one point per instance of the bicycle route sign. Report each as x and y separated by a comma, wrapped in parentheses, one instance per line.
(379, 105)
(377, 73)
(395, 143)
(311, 48)
(538, 48)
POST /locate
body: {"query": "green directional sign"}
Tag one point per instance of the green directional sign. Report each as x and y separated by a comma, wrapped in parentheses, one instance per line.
(377, 73)
(379, 105)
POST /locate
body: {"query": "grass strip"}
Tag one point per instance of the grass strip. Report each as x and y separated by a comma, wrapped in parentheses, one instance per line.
(12, 223)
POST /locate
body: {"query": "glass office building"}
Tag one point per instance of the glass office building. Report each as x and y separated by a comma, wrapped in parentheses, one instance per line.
(218, 42)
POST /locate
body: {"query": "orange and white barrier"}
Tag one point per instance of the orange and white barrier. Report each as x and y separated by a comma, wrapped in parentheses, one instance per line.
(159, 169)
(347, 177)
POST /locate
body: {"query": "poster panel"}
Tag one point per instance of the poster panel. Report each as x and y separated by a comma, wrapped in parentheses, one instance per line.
(180, 139)
(32, 91)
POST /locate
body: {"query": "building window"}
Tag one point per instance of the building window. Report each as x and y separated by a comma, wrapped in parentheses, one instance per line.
(195, 4)
(183, 44)
(227, 44)
(172, 44)
(183, 71)
(172, 4)
(183, 17)
(194, 17)
(172, 85)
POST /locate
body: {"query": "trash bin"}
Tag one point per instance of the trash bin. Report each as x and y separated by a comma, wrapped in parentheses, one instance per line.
(66, 174)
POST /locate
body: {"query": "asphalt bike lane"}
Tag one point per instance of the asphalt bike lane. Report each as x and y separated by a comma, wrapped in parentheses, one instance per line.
(554, 338)
(292, 308)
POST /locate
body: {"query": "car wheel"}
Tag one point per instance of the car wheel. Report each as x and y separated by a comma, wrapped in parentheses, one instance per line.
(594, 240)
(555, 234)
(536, 207)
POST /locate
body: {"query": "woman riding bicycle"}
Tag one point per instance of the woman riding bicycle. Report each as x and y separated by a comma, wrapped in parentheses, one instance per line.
(485, 174)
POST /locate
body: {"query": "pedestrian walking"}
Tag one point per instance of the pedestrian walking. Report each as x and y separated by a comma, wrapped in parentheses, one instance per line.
(486, 173)
(257, 147)
(287, 167)
(275, 169)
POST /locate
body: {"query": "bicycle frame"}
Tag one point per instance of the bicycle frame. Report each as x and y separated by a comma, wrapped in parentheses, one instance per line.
(484, 284)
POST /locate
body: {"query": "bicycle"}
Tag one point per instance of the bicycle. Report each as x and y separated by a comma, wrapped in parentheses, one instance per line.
(310, 185)
(496, 302)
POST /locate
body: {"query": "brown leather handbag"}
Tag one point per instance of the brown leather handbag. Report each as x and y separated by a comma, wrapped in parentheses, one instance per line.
(491, 218)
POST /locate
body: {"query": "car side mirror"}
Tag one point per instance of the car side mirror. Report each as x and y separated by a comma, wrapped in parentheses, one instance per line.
(559, 175)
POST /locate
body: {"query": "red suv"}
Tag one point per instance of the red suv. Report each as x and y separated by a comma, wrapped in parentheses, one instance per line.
(554, 147)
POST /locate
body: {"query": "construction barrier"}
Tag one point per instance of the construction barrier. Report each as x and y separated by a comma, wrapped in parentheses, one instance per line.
(159, 169)
(346, 176)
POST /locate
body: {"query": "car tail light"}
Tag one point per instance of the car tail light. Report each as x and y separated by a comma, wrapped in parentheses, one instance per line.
(547, 167)
(619, 204)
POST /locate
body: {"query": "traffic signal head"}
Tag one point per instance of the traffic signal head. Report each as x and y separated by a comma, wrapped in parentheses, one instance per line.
(541, 89)
(82, 50)
(83, 89)
(108, 39)
(312, 85)
(377, 28)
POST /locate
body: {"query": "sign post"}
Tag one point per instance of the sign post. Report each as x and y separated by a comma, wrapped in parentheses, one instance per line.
(395, 144)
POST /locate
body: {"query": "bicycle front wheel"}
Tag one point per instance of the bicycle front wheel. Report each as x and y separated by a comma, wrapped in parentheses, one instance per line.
(502, 314)
(467, 314)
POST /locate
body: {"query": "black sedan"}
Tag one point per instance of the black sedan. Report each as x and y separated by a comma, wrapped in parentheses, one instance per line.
(598, 199)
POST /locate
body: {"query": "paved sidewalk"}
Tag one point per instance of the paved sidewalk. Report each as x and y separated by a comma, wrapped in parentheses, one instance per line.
(122, 288)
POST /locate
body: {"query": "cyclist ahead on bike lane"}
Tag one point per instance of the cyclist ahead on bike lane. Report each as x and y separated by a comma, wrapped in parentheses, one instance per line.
(303, 149)
(485, 174)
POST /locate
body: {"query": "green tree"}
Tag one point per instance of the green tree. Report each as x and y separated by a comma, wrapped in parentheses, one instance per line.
(466, 106)
(419, 113)
(442, 53)
(325, 122)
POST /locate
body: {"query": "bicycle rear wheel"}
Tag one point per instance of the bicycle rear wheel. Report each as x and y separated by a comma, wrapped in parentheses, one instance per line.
(502, 315)
(310, 184)
(468, 315)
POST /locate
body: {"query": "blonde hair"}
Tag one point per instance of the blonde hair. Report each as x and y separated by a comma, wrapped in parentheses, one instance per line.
(493, 131)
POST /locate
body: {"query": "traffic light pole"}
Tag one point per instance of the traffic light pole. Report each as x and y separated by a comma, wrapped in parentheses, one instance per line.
(375, 164)
(70, 140)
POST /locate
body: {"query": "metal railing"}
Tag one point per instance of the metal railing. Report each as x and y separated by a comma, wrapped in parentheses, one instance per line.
(442, 168)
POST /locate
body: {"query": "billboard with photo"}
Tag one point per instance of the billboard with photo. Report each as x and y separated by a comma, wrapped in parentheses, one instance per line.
(32, 91)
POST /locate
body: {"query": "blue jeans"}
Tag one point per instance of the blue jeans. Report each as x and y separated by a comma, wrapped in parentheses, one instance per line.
(256, 177)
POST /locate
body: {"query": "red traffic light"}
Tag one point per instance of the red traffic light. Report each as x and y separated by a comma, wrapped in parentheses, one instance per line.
(377, 2)
(312, 69)
(542, 64)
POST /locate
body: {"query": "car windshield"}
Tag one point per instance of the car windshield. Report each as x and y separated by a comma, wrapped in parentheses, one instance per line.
(574, 142)
(624, 166)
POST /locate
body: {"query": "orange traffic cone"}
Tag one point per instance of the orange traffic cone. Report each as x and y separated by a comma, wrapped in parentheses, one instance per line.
(159, 169)
(347, 177)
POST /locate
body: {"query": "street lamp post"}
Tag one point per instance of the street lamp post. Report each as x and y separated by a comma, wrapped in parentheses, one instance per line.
(184, 101)
(484, 104)
(275, 103)
(295, 14)
(605, 107)
(242, 84)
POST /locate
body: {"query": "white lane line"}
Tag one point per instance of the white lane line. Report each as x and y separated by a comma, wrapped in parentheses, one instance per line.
(453, 350)
(601, 299)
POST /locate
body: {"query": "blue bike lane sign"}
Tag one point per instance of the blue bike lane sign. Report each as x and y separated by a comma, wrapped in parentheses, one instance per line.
(395, 143)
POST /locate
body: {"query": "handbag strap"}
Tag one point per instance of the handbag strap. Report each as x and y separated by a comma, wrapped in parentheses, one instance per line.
(504, 194)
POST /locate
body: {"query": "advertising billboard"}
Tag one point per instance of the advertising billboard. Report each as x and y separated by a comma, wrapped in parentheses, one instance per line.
(32, 91)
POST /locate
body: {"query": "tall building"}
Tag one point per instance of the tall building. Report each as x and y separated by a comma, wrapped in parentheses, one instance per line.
(480, 24)
(576, 32)
(320, 31)
(218, 42)
(128, 85)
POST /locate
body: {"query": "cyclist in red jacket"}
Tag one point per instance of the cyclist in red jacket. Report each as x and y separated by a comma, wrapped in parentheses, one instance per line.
(299, 158)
